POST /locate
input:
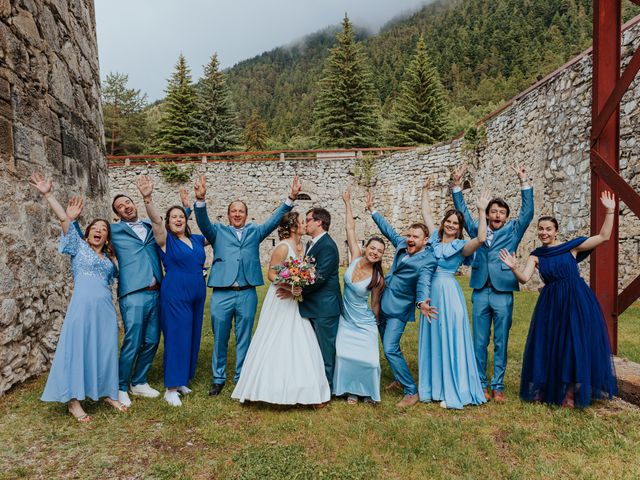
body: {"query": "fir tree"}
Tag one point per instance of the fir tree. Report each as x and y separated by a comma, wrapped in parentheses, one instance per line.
(347, 107)
(176, 133)
(419, 116)
(255, 133)
(215, 122)
(124, 118)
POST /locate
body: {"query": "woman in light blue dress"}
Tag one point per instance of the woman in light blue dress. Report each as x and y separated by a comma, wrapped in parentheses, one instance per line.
(86, 360)
(357, 367)
(447, 368)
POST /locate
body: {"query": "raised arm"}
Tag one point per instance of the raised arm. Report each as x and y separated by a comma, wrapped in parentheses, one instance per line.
(472, 245)
(385, 227)
(470, 225)
(184, 199)
(426, 207)
(45, 188)
(509, 259)
(271, 224)
(609, 202)
(75, 205)
(350, 223)
(202, 217)
(526, 210)
(145, 186)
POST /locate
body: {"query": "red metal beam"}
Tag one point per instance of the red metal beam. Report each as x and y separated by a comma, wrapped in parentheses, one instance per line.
(606, 73)
(619, 185)
(629, 295)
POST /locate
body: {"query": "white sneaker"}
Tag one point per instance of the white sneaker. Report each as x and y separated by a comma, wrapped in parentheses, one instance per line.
(443, 404)
(144, 390)
(184, 390)
(123, 398)
(172, 398)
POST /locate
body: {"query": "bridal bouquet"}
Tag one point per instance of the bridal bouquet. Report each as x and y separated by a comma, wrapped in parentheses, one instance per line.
(296, 272)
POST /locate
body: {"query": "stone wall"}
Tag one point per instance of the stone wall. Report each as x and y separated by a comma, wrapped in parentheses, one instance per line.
(50, 121)
(546, 128)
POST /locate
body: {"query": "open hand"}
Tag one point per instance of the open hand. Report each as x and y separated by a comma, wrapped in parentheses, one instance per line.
(184, 197)
(520, 171)
(483, 201)
(370, 200)
(145, 186)
(44, 186)
(427, 185)
(296, 186)
(458, 174)
(509, 259)
(428, 311)
(608, 199)
(74, 207)
(200, 188)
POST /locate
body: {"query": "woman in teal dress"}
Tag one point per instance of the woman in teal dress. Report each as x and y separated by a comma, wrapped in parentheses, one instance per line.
(357, 367)
(567, 359)
(182, 293)
(446, 363)
(85, 364)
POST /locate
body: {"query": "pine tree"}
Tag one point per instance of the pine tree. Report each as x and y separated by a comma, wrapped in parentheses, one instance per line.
(347, 109)
(419, 115)
(215, 122)
(124, 117)
(176, 133)
(255, 133)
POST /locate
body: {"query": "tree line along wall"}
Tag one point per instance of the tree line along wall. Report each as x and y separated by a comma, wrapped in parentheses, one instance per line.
(50, 121)
(547, 129)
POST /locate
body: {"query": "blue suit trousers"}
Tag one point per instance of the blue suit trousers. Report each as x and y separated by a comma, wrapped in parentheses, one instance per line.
(141, 321)
(391, 330)
(225, 306)
(490, 305)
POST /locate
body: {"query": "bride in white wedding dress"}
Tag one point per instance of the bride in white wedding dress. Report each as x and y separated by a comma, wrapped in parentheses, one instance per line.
(284, 364)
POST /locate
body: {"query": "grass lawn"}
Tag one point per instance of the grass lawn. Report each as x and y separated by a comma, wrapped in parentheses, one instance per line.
(219, 438)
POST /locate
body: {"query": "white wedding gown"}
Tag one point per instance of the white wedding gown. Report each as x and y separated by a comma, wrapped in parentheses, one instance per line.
(284, 364)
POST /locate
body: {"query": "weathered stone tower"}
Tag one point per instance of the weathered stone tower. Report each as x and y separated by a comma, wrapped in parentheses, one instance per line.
(50, 121)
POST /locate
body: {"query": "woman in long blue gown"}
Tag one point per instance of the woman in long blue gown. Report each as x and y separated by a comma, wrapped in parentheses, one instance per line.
(85, 364)
(567, 358)
(182, 294)
(357, 366)
(446, 363)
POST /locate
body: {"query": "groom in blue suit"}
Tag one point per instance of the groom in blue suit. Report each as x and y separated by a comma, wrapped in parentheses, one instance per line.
(492, 281)
(407, 286)
(235, 274)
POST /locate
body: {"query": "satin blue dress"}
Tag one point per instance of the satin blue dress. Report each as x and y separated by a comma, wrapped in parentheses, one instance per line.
(568, 343)
(446, 362)
(357, 367)
(86, 360)
(182, 296)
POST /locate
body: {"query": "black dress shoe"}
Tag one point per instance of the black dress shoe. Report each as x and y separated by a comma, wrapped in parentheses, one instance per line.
(216, 388)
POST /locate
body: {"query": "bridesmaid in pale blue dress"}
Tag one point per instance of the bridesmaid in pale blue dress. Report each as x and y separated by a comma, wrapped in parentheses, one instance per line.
(357, 366)
(86, 360)
(447, 368)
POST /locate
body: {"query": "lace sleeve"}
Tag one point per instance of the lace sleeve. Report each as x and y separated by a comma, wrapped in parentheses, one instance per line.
(70, 243)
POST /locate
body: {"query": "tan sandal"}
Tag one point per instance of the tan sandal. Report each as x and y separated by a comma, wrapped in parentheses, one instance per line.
(82, 417)
(116, 404)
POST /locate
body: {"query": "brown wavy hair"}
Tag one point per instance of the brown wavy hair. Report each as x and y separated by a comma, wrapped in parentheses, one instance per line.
(288, 224)
(377, 276)
(187, 230)
(107, 248)
(447, 214)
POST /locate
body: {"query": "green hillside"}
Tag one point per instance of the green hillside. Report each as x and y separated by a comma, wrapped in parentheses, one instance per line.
(485, 53)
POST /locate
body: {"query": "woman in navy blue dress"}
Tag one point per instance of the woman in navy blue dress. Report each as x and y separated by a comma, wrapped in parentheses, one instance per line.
(567, 358)
(182, 294)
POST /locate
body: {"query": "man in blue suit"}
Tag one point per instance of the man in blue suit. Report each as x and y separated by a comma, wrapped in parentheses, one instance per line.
(235, 274)
(492, 281)
(407, 286)
(140, 274)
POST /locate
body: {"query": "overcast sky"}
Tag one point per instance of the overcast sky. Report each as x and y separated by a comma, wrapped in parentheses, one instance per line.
(143, 38)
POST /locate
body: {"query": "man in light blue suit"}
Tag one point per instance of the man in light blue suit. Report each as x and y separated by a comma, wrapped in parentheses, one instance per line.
(492, 281)
(407, 286)
(235, 274)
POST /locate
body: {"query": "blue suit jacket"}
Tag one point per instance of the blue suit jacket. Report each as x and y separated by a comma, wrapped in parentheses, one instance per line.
(138, 260)
(231, 254)
(486, 261)
(408, 281)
